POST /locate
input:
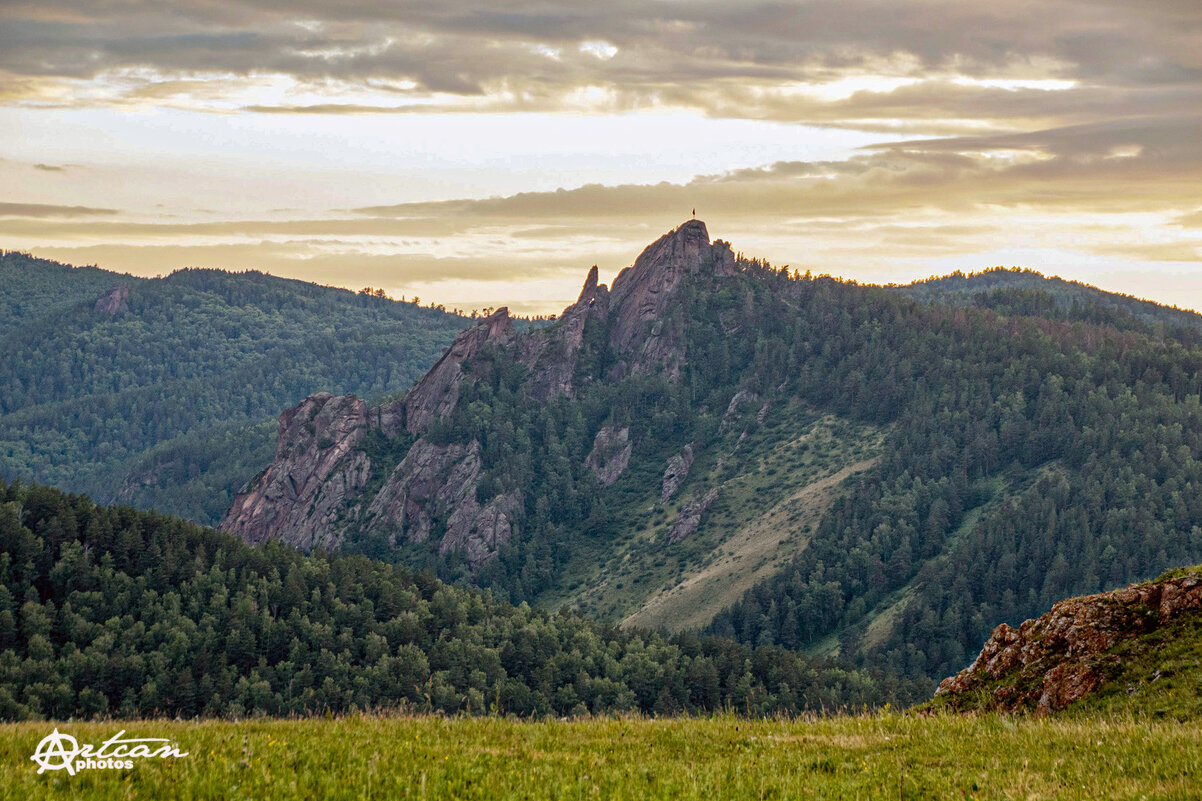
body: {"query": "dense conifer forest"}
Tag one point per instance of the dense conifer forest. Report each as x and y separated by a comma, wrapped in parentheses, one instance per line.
(170, 400)
(118, 612)
(1020, 439)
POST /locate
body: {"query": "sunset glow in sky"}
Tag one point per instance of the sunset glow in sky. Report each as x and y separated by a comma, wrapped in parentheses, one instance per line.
(487, 152)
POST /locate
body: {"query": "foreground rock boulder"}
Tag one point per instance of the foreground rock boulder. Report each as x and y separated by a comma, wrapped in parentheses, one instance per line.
(1050, 662)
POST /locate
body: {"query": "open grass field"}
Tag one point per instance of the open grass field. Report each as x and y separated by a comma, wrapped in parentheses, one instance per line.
(885, 755)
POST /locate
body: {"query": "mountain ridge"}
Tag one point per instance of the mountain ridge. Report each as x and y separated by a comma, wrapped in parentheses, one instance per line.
(649, 437)
(156, 391)
(479, 527)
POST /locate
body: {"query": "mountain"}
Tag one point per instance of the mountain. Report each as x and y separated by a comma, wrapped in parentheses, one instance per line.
(1017, 291)
(162, 392)
(1134, 648)
(109, 611)
(713, 443)
(567, 435)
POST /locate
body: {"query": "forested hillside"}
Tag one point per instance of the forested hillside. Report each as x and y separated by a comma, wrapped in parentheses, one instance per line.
(1023, 292)
(112, 611)
(166, 396)
(1032, 459)
(885, 477)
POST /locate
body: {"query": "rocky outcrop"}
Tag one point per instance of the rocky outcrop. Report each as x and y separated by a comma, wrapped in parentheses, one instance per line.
(610, 454)
(1048, 663)
(477, 531)
(675, 473)
(642, 294)
(438, 391)
(113, 302)
(552, 354)
(317, 468)
(689, 519)
(310, 494)
(441, 482)
(741, 400)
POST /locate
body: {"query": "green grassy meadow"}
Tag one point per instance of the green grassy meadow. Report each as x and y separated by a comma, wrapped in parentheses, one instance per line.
(881, 755)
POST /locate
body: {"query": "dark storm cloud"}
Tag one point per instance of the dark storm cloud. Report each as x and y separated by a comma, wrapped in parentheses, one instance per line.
(723, 57)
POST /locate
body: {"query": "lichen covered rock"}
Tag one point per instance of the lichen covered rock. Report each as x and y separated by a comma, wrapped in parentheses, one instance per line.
(675, 473)
(1048, 663)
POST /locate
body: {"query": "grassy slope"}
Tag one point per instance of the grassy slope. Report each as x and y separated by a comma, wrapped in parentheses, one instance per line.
(755, 552)
(1161, 674)
(878, 756)
(1161, 671)
(775, 485)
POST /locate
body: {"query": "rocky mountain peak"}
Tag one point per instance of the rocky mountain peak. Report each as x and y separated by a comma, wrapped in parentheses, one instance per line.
(588, 294)
(313, 489)
(642, 293)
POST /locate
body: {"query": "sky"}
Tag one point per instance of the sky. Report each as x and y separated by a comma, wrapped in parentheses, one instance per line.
(480, 153)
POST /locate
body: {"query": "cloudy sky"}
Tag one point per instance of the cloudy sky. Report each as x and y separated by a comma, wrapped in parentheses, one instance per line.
(478, 152)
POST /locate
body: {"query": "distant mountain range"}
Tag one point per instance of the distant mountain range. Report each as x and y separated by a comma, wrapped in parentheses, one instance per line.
(1026, 292)
(164, 392)
(713, 443)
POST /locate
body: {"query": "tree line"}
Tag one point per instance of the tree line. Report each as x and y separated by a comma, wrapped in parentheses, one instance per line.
(110, 611)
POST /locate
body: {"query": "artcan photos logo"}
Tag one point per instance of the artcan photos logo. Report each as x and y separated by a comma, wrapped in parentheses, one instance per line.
(58, 751)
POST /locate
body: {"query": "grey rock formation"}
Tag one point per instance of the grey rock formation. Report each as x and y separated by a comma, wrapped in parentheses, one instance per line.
(480, 531)
(316, 470)
(438, 391)
(113, 302)
(441, 482)
(675, 473)
(742, 399)
(552, 354)
(610, 454)
(642, 294)
(689, 519)
(311, 494)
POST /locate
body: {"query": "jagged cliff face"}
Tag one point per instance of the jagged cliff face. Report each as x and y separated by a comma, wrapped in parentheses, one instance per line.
(438, 391)
(643, 293)
(313, 493)
(317, 467)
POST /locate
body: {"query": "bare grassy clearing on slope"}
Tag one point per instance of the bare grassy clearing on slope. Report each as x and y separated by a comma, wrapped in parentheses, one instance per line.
(751, 555)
